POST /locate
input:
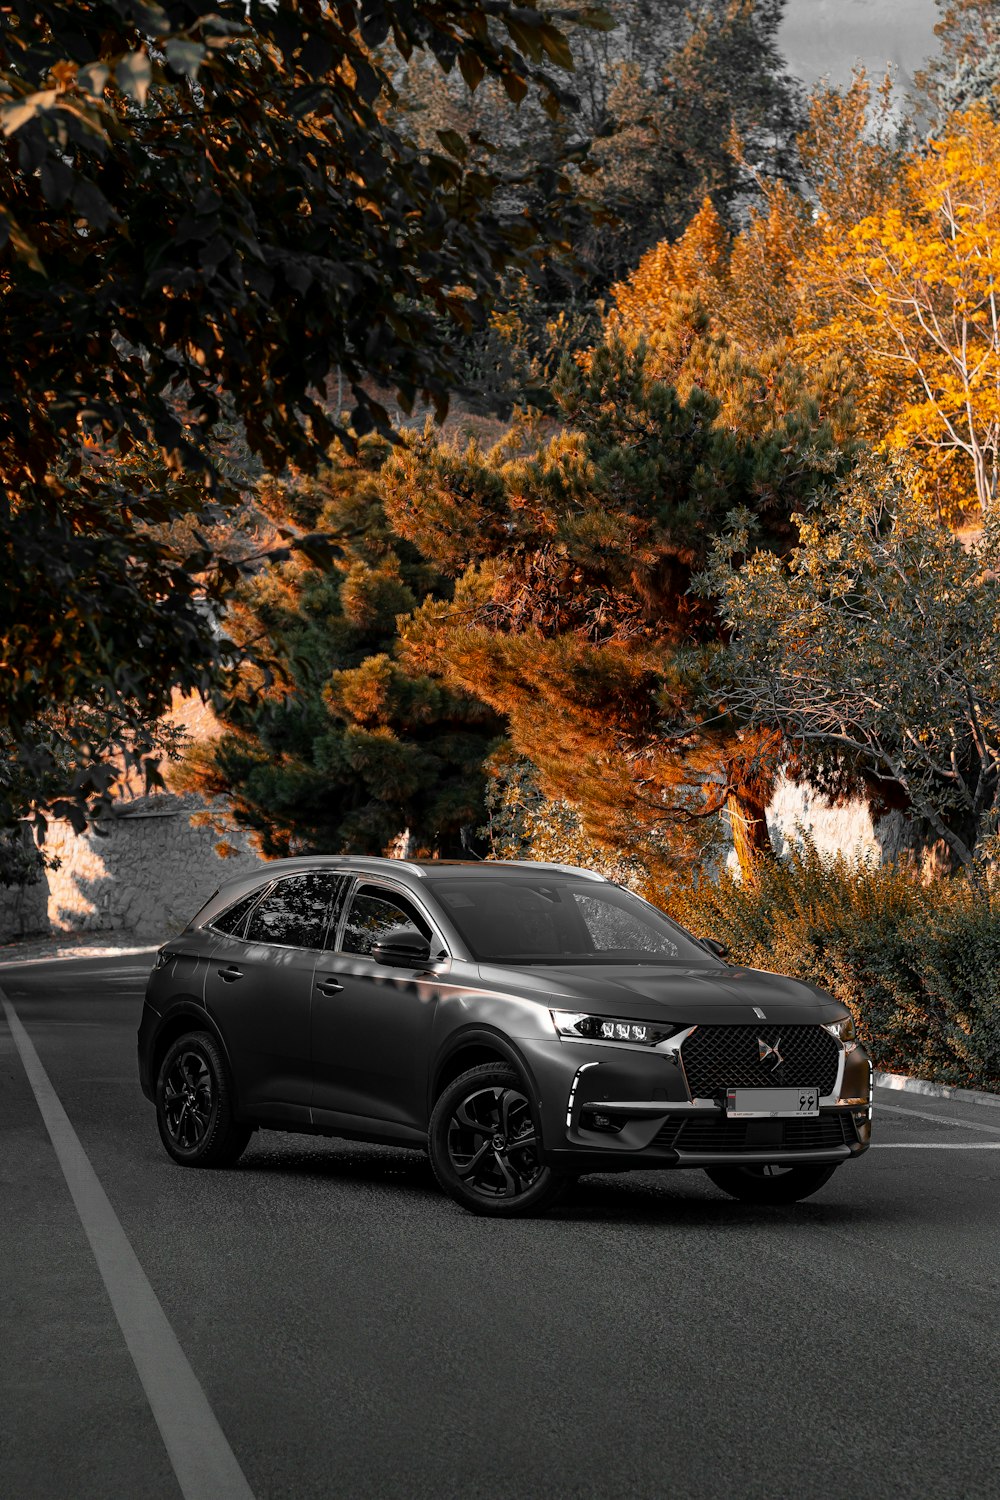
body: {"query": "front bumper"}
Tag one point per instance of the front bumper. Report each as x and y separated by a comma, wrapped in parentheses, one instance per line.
(614, 1107)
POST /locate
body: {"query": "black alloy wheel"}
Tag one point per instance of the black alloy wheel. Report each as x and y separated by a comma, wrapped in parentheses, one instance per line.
(485, 1146)
(772, 1182)
(194, 1104)
(188, 1099)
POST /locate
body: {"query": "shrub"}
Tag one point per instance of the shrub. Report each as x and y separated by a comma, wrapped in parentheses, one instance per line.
(918, 966)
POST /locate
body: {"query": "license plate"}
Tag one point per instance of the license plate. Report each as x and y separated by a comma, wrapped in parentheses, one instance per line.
(771, 1104)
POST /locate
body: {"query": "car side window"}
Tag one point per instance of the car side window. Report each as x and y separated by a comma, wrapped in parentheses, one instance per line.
(376, 914)
(296, 912)
(231, 920)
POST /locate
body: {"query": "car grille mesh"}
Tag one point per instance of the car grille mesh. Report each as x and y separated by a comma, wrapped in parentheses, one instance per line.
(717, 1058)
(823, 1133)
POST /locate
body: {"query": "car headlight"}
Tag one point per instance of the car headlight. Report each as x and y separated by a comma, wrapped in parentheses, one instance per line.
(588, 1028)
(844, 1031)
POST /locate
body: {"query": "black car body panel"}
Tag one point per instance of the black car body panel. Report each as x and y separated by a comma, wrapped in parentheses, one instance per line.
(330, 1041)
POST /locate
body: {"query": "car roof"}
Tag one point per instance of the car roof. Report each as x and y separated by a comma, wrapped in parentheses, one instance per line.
(410, 871)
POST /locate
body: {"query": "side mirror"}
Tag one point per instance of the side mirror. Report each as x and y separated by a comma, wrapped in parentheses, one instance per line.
(714, 946)
(404, 952)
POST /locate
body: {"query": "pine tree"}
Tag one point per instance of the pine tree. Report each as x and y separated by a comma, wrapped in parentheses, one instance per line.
(341, 748)
(573, 614)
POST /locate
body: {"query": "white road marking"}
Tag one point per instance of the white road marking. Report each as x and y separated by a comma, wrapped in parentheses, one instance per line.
(205, 1465)
(922, 1114)
(936, 1145)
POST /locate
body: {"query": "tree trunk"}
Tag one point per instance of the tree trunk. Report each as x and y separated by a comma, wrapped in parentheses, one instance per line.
(751, 840)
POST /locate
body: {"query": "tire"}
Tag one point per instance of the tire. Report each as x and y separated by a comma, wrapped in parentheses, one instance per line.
(771, 1183)
(194, 1104)
(488, 1105)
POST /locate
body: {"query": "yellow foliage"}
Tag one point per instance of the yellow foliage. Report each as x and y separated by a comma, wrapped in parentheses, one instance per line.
(885, 278)
(696, 263)
(910, 296)
(764, 289)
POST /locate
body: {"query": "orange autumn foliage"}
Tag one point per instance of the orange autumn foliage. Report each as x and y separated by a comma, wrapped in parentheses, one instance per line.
(882, 281)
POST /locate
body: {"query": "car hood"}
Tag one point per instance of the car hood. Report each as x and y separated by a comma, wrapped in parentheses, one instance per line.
(650, 992)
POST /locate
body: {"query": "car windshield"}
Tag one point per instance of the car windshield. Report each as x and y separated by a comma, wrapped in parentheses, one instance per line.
(564, 921)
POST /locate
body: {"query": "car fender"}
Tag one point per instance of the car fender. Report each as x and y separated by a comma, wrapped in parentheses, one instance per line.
(184, 1007)
(469, 1038)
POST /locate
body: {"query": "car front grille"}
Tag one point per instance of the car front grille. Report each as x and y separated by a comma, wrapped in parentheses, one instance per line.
(822, 1133)
(717, 1058)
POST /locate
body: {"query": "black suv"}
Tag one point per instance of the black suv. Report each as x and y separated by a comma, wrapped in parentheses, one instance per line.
(521, 1022)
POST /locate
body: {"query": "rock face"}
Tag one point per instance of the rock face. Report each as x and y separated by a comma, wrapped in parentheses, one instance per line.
(146, 871)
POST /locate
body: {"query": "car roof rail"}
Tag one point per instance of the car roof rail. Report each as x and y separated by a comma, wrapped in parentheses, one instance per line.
(291, 862)
(385, 863)
(544, 864)
(378, 862)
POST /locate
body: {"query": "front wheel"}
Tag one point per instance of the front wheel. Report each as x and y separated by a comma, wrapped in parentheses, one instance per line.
(194, 1104)
(485, 1147)
(770, 1183)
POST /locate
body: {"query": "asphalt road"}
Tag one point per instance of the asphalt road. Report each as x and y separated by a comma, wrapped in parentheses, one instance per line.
(357, 1335)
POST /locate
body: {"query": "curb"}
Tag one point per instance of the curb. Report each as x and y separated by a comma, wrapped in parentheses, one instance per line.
(85, 951)
(907, 1085)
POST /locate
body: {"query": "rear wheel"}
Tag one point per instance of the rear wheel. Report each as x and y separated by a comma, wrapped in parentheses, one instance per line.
(485, 1145)
(770, 1183)
(194, 1104)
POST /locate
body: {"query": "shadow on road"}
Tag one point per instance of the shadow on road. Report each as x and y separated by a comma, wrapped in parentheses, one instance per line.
(394, 1168)
(662, 1199)
(601, 1202)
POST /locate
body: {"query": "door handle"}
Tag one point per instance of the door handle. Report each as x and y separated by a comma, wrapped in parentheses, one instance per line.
(230, 973)
(329, 986)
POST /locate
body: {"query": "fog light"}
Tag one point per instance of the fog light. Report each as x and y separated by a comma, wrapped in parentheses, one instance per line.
(595, 1120)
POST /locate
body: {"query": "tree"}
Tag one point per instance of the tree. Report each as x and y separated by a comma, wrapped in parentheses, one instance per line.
(909, 295)
(206, 211)
(342, 750)
(572, 613)
(749, 282)
(522, 823)
(966, 70)
(878, 640)
(79, 746)
(852, 148)
(720, 114)
(664, 95)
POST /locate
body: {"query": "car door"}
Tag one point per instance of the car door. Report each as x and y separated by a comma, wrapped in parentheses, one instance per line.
(371, 1021)
(259, 991)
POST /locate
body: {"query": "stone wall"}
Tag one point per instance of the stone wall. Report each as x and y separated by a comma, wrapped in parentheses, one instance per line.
(146, 870)
(23, 910)
(846, 828)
